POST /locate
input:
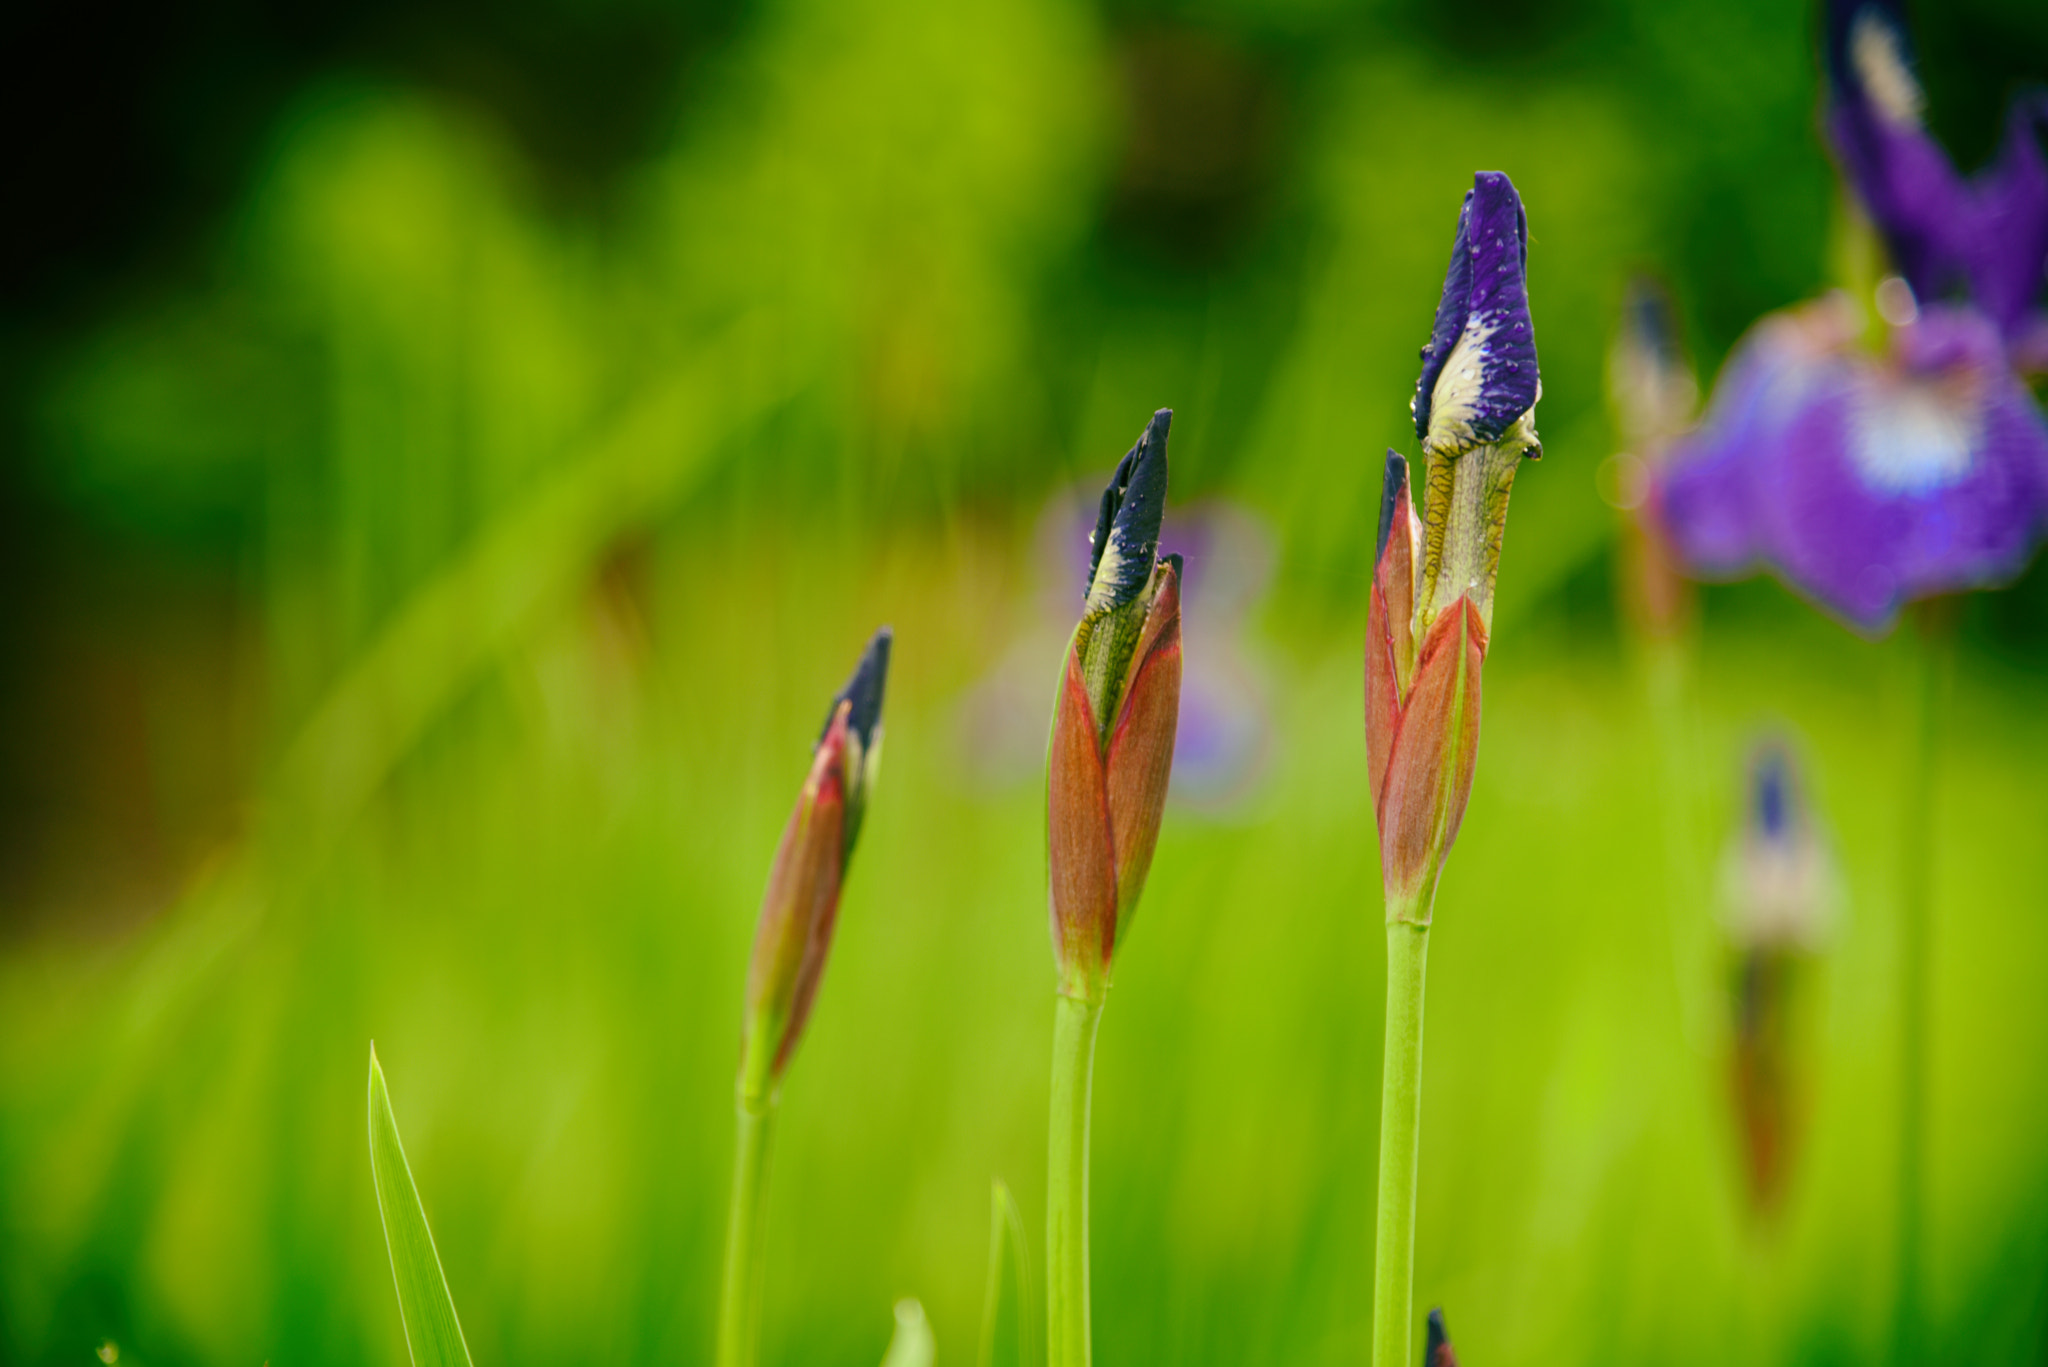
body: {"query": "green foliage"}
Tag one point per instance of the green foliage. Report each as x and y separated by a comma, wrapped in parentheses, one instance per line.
(433, 1335)
(543, 533)
(1006, 1234)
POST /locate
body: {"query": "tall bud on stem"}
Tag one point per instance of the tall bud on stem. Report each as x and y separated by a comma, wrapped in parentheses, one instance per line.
(791, 943)
(1107, 765)
(1427, 631)
(1779, 891)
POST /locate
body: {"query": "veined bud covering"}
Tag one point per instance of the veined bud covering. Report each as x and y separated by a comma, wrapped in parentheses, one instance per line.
(798, 913)
(1111, 750)
(1433, 574)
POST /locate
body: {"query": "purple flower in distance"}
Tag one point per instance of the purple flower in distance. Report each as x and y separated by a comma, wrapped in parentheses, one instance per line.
(1985, 238)
(1864, 481)
(1865, 478)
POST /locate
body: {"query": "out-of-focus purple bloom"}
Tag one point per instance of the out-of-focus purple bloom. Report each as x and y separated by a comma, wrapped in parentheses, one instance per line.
(1985, 238)
(1867, 479)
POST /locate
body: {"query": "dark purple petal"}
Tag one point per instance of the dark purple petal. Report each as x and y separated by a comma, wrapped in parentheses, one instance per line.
(1479, 370)
(864, 690)
(1946, 236)
(1126, 535)
(1864, 482)
(2009, 256)
(1905, 180)
(1925, 213)
(2028, 347)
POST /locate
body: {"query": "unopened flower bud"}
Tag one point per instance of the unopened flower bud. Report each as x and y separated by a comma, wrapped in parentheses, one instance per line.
(1437, 1351)
(1778, 889)
(1652, 392)
(1113, 723)
(1778, 884)
(1475, 403)
(1433, 576)
(801, 906)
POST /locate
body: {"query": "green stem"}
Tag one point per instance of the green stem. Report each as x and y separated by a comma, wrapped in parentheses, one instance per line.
(739, 1306)
(1400, 1146)
(1066, 1184)
(1930, 661)
(1665, 664)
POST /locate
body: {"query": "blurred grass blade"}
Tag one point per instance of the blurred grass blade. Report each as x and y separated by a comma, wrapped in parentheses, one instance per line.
(913, 1345)
(432, 1333)
(1006, 1221)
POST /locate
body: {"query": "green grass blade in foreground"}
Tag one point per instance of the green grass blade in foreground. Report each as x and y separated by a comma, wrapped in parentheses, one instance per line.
(913, 1345)
(432, 1333)
(1005, 1220)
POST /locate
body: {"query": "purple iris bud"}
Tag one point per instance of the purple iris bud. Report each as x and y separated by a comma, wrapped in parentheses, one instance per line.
(1479, 370)
(1436, 1349)
(1771, 799)
(1985, 238)
(1864, 481)
(1126, 535)
(1778, 885)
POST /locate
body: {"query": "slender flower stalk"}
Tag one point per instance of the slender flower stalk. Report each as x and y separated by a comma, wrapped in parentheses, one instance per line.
(1107, 766)
(1652, 394)
(791, 944)
(1931, 646)
(1426, 638)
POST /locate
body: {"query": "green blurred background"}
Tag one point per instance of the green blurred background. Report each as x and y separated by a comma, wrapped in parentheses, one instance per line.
(455, 451)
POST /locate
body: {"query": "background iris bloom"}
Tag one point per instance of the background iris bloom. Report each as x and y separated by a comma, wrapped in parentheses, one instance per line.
(1867, 478)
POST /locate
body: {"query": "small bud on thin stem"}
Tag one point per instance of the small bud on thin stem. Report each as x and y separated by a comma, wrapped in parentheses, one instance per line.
(1107, 767)
(791, 944)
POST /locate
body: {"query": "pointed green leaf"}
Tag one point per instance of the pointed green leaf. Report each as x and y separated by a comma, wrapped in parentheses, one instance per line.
(432, 1333)
(1006, 1225)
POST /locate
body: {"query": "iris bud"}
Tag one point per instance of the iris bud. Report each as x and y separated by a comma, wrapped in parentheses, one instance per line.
(1475, 403)
(1433, 575)
(801, 907)
(1436, 1352)
(1111, 750)
(1778, 895)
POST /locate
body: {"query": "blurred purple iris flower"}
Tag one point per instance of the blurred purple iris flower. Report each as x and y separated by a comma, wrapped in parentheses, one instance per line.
(1870, 479)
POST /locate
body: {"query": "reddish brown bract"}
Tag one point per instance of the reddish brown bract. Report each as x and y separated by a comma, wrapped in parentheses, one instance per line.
(798, 913)
(1103, 809)
(1421, 716)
